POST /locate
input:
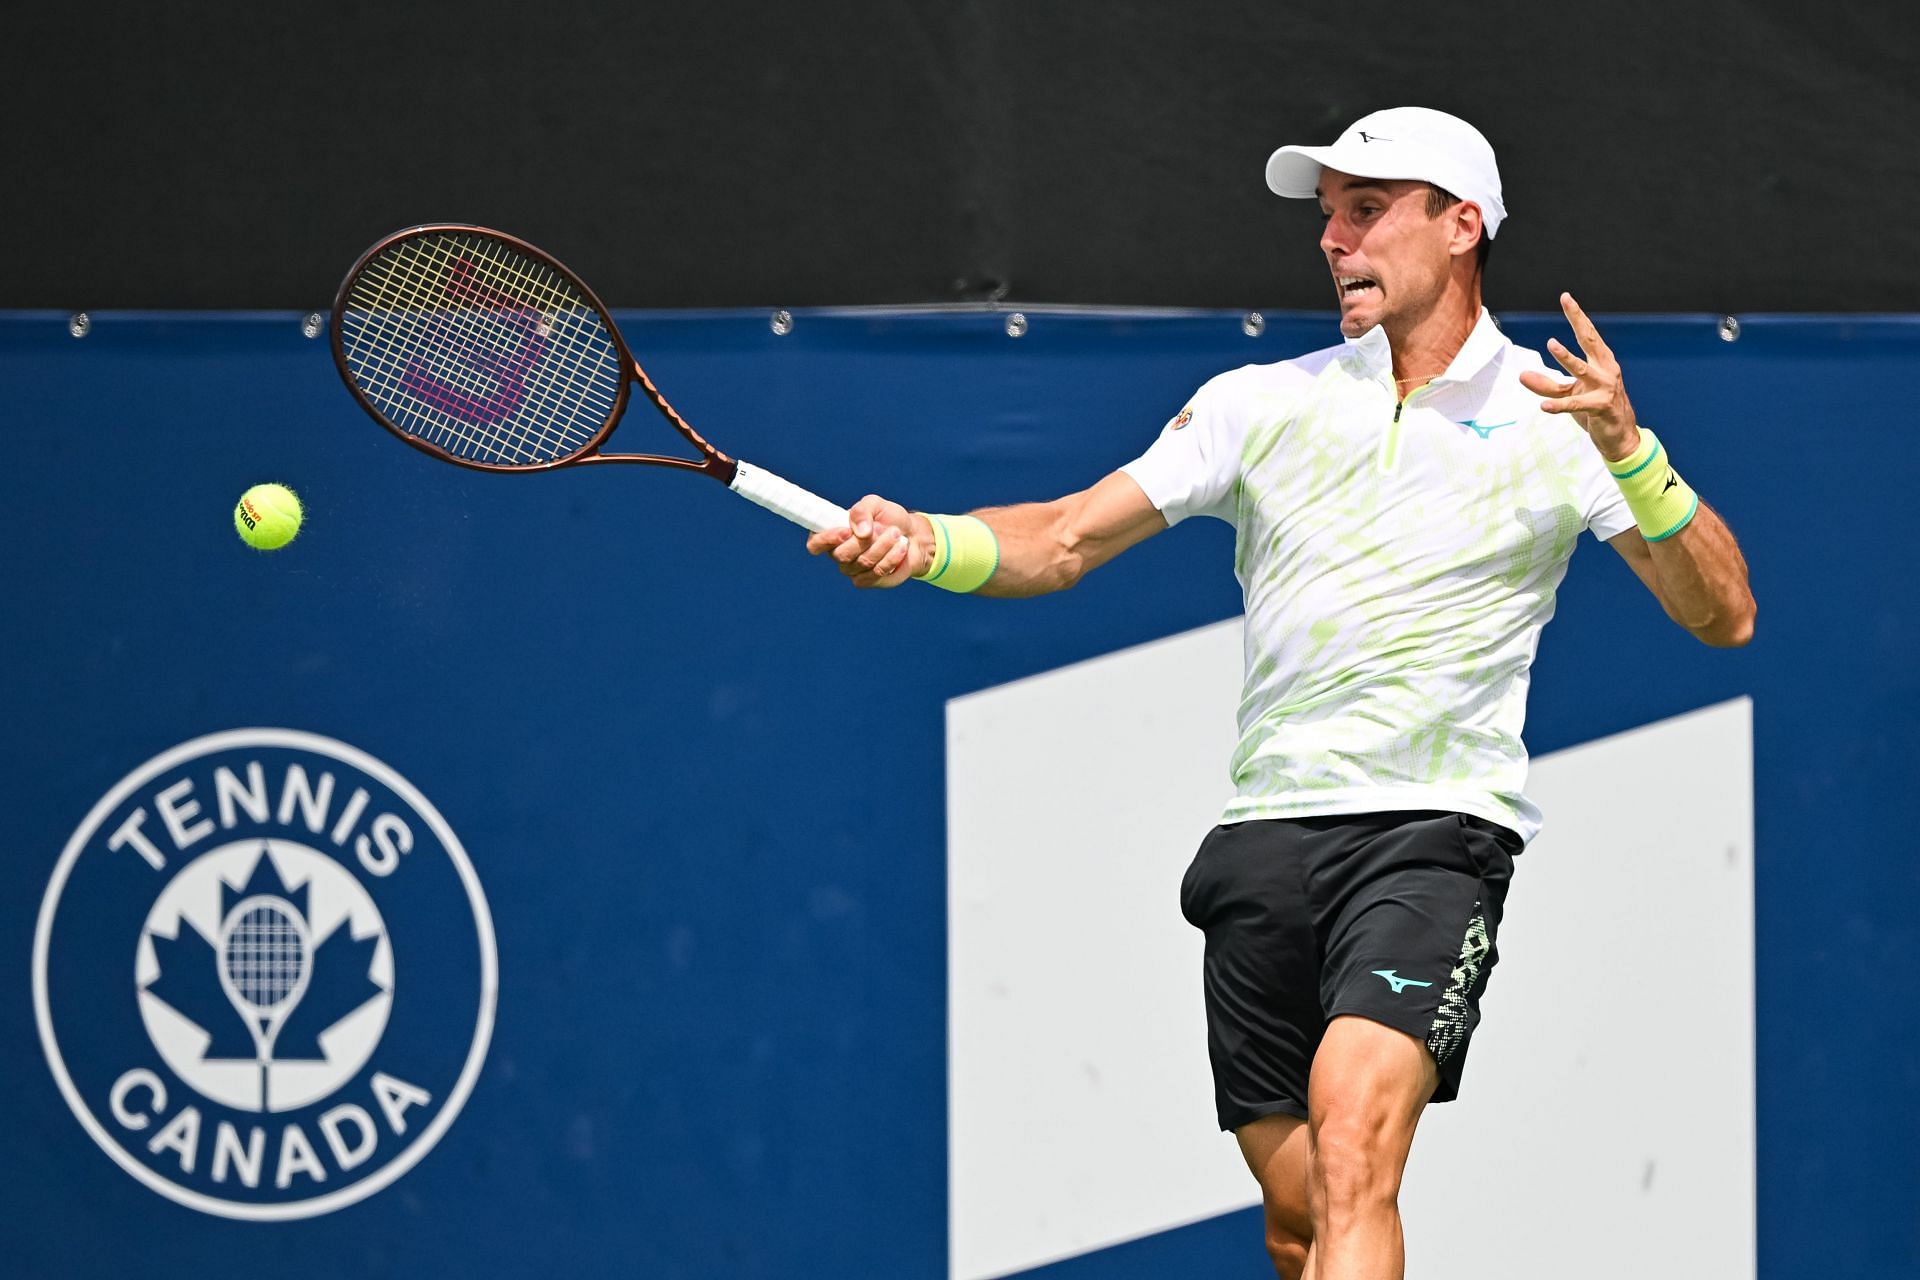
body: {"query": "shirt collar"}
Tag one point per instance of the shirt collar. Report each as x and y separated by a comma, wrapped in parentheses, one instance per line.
(1375, 354)
(1371, 350)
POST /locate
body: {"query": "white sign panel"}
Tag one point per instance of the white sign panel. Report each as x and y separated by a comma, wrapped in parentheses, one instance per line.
(1609, 1093)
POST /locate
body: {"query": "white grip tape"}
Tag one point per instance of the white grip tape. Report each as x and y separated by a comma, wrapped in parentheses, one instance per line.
(784, 498)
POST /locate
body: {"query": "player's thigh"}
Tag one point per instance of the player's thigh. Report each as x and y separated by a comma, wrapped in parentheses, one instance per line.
(1364, 1066)
(1369, 1086)
(1276, 1151)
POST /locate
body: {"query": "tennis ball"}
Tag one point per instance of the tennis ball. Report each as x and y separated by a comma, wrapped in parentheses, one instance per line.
(267, 516)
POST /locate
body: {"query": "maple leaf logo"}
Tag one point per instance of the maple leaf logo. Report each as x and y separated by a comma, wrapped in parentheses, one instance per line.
(335, 969)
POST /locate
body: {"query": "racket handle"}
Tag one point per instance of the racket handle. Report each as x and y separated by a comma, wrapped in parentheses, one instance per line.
(784, 498)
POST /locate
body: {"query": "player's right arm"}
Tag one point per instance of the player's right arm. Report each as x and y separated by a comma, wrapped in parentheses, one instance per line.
(1044, 546)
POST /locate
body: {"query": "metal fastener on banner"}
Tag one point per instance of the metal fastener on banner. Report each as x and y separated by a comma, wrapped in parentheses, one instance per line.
(312, 324)
(781, 323)
(1017, 325)
(1253, 324)
(79, 324)
(1729, 328)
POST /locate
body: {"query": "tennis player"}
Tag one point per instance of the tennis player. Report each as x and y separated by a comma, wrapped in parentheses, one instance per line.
(1405, 504)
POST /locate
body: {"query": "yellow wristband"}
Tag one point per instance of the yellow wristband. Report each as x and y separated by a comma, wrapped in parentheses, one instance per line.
(965, 553)
(1661, 502)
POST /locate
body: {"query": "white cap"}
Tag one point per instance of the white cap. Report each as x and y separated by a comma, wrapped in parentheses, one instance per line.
(1401, 142)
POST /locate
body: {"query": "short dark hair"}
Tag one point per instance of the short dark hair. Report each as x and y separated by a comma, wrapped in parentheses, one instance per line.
(1439, 200)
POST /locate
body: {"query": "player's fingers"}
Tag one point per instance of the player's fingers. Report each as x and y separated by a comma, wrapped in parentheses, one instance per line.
(1583, 328)
(849, 552)
(850, 548)
(860, 517)
(827, 539)
(1590, 403)
(883, 542)
(1598, 368)
(894, 563)
(1572, 363)
(873, 578)
(855, 570)
(1542, 384)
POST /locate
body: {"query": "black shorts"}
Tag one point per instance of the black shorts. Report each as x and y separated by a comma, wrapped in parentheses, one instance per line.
(1391, 916)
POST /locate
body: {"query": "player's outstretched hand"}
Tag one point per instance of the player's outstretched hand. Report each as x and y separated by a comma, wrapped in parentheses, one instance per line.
(1597, 397)
(875, 547)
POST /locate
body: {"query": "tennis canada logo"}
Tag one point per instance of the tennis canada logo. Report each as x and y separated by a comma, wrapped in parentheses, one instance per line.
(264, 974)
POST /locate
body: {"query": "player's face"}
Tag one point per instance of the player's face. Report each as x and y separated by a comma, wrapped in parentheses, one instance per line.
(1389, 259)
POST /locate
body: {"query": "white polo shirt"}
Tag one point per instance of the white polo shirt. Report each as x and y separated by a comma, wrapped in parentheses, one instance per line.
(1398, 562)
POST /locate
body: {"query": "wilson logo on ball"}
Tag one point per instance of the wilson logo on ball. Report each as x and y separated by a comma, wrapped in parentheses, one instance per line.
(264, 974)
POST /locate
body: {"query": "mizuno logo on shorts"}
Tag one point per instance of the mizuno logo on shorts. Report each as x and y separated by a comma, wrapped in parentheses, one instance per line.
(1399, 983)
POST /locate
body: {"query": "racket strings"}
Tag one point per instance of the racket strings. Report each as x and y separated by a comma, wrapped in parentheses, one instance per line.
(497, 274)
(265, 955)
(454, 371)
(468, 344)
(459, 360)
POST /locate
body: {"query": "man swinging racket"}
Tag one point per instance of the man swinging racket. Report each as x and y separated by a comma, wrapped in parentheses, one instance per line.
(1405, 504)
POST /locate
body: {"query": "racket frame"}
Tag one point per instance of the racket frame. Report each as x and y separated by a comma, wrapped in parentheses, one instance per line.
(712, 462)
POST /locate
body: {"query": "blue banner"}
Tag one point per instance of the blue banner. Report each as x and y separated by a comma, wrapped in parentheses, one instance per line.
(620, 930)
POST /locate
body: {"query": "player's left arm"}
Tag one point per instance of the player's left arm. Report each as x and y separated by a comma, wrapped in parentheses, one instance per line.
(1697, 573)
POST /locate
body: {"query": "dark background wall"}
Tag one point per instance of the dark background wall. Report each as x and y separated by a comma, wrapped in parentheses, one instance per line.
(1698, 156)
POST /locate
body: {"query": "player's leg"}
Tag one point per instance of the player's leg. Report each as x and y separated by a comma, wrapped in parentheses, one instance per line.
(1409, 905)
(1246, 891)
(1369, 1086)
(1276, 1151)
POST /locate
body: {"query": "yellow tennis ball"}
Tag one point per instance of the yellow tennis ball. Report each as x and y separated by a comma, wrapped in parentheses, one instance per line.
(267, 516)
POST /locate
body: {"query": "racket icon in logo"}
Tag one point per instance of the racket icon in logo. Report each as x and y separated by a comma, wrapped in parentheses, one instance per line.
(264, 945)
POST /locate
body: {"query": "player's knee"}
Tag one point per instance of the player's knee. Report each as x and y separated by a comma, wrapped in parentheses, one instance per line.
(1352, 1170)
(1288, 1249)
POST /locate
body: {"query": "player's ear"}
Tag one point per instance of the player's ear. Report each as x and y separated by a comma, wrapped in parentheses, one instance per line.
(1468, 227)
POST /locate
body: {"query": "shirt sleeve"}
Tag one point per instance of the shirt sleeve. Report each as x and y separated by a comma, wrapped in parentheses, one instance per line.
(1601, 501)
(1193, 469)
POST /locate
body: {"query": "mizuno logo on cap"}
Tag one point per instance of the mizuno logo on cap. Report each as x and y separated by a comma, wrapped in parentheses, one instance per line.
(1371, 137)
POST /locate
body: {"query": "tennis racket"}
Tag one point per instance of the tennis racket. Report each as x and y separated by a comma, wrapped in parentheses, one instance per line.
(481, 350)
